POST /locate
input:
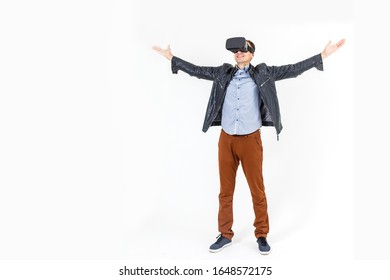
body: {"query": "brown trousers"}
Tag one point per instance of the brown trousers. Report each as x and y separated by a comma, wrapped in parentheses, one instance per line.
(247, 149)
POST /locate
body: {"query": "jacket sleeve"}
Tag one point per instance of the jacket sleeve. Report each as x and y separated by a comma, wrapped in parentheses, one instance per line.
(201, 72)
(294, 70)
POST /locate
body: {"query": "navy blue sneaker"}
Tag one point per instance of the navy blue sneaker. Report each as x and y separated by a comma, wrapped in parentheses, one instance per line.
(221, 243)
(264, 247)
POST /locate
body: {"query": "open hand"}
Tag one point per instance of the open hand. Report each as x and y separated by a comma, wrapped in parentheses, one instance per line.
(331, 48)
(164, 52)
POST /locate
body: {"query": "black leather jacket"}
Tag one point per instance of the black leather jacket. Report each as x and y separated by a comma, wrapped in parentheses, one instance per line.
(264, 77)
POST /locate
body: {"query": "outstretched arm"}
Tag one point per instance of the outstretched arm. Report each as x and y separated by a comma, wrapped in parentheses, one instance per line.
(331, 48)
(293, 70)
(201, 72)
(164, 52)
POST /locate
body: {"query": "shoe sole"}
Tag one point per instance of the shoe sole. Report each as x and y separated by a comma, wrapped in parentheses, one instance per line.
(220, 249)
(265, 253)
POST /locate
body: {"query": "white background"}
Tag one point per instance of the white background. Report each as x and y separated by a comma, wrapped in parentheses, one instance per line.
(102, 156)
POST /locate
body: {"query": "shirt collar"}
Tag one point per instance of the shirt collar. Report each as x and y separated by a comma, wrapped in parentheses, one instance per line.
(246, 68)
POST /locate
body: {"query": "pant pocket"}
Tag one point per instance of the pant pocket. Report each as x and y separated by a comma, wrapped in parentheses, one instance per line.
(258, 141)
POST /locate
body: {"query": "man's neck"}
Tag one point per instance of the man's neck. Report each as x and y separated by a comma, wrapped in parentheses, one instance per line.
(242, 65)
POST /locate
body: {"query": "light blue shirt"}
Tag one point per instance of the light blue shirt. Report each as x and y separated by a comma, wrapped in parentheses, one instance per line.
(241, 108)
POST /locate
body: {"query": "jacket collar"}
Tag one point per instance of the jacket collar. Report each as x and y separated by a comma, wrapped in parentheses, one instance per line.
(251, 69)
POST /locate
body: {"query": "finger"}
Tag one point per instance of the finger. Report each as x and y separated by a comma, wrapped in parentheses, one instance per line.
(157, 48)
(340, 43)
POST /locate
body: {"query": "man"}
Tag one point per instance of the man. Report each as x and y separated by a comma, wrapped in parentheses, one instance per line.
(243, 98)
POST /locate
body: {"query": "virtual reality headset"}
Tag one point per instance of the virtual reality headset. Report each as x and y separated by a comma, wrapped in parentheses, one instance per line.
(236, 44)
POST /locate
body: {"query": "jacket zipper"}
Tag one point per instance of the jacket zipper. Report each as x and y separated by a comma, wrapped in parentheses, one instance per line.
(264, 82)
(219, 82)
